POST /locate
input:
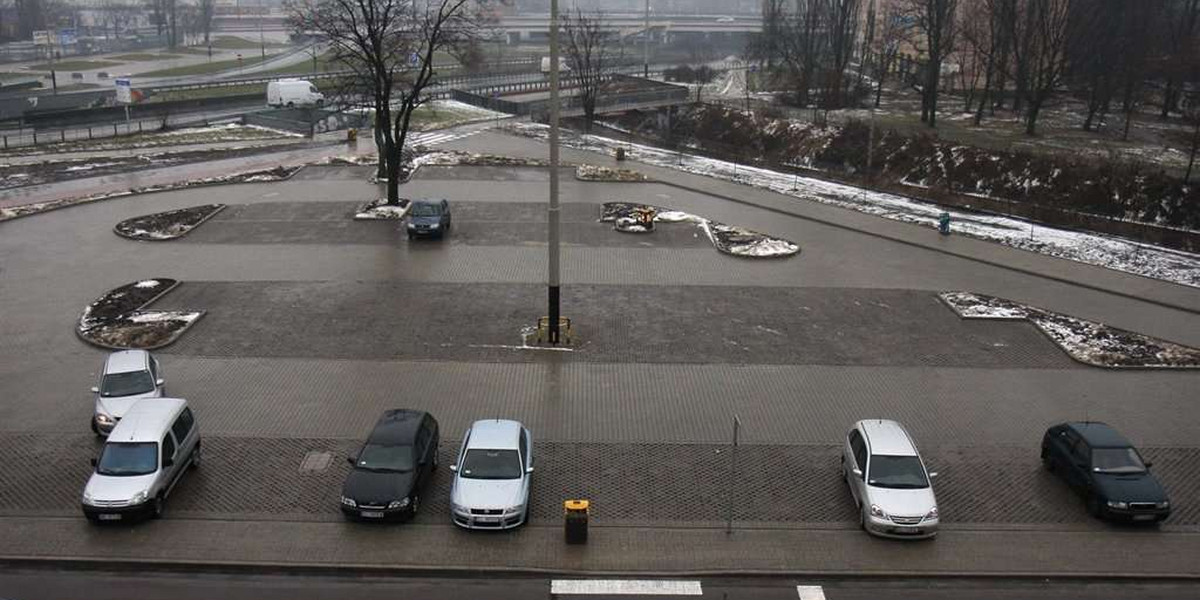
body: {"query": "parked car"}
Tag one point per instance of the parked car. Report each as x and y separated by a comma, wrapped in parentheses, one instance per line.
(127, 376)
(492, 473)
(392, 468)
(293, 92)
(428, 217)
(1100, 464)
(142, 460)
(888, 481)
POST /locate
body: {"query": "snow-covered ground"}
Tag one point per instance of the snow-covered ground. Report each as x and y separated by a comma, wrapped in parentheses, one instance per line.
(1094, 249)
(738, 241)
(1086, 341)
(381, 210)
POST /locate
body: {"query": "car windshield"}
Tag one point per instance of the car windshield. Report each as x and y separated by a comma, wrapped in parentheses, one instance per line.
(1117, 460)
(426, 210)
(377, 457)
(491, 464)
(126, 384)
(126, 459)
(898, 472)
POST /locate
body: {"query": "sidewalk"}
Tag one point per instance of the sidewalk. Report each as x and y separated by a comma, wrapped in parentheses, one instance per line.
(447, 549)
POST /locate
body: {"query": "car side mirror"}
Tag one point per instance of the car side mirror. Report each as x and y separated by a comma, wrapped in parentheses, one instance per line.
(350, 460)
(529, 469)
(95, 390)
(453, 468)
(93, 461)
(160, 381)
(858, 472)
(1149, 464)
(168, 462)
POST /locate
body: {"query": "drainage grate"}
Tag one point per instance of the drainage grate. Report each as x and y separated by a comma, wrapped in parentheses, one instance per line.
(315, 460)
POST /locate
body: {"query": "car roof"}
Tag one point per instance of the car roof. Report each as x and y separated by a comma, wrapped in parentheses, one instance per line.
(396, 427)
(496, 434)
(126, 361)
(1100, 435)
(887, 437)
(147, 420)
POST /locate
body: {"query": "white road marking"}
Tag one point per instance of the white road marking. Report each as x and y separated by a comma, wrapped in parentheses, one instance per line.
(625, 587)
(810, 592)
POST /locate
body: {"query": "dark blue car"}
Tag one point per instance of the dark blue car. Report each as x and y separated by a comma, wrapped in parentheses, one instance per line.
(428, 218)
(1100, 464)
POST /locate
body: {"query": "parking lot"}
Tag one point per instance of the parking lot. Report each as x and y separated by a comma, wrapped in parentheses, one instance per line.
(316, 323)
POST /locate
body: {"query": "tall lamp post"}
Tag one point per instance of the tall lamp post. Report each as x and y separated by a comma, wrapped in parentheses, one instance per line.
(646, 44)
(553, 279)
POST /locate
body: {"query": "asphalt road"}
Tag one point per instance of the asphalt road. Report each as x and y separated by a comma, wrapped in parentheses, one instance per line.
(46, 584)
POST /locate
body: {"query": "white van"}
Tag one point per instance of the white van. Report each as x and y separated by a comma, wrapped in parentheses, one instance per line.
(293, 92)
(142, 460)
(563, 67)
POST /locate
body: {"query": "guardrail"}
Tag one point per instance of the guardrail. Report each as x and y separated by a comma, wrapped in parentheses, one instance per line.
(33, 137)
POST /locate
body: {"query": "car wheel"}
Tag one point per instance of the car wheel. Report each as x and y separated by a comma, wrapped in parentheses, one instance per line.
(95, 428)
(862, 519)
(434, 464)
(415, 505)
(160, 506)
(1046, 462)
(195, 457)
(1093, 506)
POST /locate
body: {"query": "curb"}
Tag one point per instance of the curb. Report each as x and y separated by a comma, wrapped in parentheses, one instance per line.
(360, 569)
(220, 207)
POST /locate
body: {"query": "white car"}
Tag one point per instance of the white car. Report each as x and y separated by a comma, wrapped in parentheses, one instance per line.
(491, 476)
(888, 481)
(128, 376)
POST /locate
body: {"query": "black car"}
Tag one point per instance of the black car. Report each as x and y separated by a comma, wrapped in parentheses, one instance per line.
(1107, 470)
(392, 468)
(428, 217)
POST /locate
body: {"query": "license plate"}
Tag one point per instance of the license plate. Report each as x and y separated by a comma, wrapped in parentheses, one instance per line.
(372, 514)
(110, 517)
(487, 519)
(1143, 517)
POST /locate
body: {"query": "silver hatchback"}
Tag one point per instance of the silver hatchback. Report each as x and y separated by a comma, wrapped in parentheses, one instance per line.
(888, 481)
(128, 376)
(491, 476)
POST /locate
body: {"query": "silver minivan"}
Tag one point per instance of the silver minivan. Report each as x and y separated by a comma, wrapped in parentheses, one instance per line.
(142, 460)
(128, 376)
(888, 481)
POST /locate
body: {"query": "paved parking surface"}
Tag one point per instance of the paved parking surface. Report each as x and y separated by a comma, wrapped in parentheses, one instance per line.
(316, 323)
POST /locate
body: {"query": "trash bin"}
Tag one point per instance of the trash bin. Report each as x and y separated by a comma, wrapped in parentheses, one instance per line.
(944, 223)
(575, 521)
(620, 153)
(352, 135)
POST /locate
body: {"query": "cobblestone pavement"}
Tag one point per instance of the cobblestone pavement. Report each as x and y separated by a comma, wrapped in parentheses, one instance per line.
(629, 484)
(669, 324)
(316, 323)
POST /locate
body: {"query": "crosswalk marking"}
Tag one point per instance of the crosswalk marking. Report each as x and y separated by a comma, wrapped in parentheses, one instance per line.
(623, 587)
(434, 138)
(810, 592)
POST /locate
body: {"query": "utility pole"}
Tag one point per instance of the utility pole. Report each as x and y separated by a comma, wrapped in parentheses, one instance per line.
(262, 43)
(646, 44)
(553, 214)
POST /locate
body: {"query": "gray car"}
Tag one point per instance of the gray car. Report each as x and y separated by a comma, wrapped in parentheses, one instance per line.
(128, 376)
(491, 476)
(428, 218)
(888, 481)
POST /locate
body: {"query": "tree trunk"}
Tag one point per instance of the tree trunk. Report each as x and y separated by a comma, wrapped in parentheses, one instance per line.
(1035, 107)
(1169, 98)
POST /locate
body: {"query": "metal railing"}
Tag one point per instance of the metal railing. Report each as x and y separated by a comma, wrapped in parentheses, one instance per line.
(27, 137)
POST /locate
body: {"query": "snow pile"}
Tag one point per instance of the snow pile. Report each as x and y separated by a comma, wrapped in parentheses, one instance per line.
(1094, 249)
(1088, 342)
(736, 241)
(381, 210)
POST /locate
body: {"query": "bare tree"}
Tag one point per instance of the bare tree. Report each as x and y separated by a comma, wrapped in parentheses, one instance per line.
(1181, 17)
(591, 52)
(390, 46)
(1052, 24)
(937, 23)
(841, 17)
(885, 45)
(801, 46)
(205, 18)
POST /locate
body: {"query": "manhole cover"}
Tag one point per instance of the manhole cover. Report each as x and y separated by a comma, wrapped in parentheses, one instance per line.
(315, 460)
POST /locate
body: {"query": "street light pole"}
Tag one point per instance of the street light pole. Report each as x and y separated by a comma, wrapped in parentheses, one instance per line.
(646, 44)
(262, 43)
(553, 214)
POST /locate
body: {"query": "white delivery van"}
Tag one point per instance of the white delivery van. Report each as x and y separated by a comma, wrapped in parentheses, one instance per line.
(563, 67)
(293, 92)
(142, 460)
